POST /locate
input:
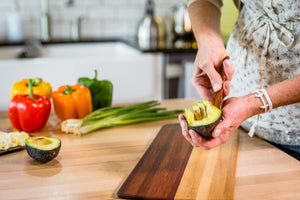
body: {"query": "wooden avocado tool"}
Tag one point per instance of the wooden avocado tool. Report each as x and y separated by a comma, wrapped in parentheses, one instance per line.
(219, 95)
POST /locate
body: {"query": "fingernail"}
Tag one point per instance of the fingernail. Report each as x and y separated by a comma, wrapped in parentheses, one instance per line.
(228, 62)
(216, 87)
(183, 125)
(216, 133)
(192, 133)
(227, 85)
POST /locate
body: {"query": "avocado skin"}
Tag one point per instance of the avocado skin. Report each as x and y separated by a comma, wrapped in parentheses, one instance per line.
(205, 130)
(42, 155)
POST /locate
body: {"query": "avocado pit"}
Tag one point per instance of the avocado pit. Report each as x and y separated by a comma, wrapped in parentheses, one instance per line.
(203, 118)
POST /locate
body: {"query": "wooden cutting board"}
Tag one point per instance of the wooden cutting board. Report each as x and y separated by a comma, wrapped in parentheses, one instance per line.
(172, 169)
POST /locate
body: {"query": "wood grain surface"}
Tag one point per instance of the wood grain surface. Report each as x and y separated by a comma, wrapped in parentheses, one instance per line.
(172, 169)
(96, 165)
(158, 174)
(210, 174)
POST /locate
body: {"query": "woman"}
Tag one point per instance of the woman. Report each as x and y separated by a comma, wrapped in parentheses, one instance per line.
(264, 87)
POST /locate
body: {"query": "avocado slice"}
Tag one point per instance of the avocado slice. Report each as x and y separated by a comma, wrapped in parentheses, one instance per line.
(43, 148)
(203, 118)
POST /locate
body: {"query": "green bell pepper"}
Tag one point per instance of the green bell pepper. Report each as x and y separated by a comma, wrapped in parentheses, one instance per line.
(101, 91)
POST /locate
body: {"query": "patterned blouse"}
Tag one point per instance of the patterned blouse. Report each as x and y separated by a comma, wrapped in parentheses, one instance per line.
(265, 49)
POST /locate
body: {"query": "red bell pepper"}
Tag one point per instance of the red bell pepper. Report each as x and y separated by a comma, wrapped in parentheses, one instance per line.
(29, 112)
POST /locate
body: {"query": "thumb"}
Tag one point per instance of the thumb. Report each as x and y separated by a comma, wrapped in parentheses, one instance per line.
(222, 127)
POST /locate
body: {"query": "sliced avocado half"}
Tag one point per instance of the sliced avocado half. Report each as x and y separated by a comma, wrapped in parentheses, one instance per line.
(43, 148)
(203, 118)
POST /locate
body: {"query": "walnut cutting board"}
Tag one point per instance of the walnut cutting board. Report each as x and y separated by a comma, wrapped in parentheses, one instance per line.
(172, 169)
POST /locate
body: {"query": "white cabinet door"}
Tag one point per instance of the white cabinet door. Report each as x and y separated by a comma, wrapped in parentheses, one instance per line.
(135, 76)
(189, 91)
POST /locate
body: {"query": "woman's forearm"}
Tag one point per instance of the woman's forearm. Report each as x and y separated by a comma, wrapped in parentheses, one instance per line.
(284, 93)
(205, 20)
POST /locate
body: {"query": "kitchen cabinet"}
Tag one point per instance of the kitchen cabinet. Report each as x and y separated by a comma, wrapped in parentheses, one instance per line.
(175, 53)
(177, 83)
(189, 91)
(136, 76)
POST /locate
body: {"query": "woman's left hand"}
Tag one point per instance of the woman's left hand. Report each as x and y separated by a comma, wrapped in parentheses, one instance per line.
(235, 110)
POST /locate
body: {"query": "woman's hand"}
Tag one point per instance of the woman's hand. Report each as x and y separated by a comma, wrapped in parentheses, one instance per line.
(206, 79)
(205, 21)
(235, 110)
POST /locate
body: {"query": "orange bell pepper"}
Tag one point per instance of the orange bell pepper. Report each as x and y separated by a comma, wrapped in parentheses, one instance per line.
(72, 102)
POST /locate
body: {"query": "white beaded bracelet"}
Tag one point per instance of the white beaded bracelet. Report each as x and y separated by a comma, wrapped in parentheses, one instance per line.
(263, 93)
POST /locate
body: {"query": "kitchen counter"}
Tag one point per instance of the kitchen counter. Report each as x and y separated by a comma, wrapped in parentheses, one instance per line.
(94, 166)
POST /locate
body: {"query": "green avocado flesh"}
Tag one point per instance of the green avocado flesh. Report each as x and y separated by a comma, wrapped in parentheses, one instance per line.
(203, 118)
(42, 148)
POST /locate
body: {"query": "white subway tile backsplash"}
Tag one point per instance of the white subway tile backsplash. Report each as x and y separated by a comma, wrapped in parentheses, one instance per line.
(103, 18)
(92, 29)
(29, 5)
(31, 31)
(6, 4)
(102, 13)
(129, 14)
(3, 35)
(88, 4)
(114, 3)
(62, 30)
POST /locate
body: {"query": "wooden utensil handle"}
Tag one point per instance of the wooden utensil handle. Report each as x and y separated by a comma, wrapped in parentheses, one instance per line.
(220, 94)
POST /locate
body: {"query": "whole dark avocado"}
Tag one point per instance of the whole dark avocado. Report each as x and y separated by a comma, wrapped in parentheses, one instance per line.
(203, 118)
(43, 148)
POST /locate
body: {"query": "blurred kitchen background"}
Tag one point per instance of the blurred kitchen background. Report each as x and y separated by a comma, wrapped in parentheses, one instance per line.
(100, 18)
(151, 39)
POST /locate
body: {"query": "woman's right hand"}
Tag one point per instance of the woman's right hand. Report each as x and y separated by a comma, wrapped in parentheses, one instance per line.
(206, 79)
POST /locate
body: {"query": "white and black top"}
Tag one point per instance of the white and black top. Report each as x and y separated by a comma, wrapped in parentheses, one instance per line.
(265, 49)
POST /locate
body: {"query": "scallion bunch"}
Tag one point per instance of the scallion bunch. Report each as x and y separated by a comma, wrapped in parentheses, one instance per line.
(117, 116)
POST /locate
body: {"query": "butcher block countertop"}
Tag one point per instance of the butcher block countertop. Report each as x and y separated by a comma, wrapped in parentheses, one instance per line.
(96, 165)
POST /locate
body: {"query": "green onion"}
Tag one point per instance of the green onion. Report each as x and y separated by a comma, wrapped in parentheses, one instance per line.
(117, 116)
